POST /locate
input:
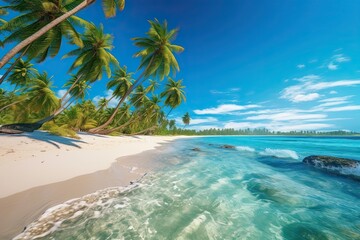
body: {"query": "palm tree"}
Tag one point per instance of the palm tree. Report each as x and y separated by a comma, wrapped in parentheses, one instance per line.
(157, 58)
(152, 86)
(78, 87)
(22, 73)
(69, 8)
(139, 98)
(186, 119)
(120, 82)
(36, 14)
(95, 57)
(41, 97)
(174, 94)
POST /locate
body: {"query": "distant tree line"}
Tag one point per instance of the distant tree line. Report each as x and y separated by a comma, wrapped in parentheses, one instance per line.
(258, 131)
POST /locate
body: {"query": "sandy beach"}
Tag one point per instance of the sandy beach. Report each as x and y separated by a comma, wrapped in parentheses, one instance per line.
(40, 170)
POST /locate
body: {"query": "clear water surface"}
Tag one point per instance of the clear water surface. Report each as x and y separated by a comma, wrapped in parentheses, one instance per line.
(261, 190)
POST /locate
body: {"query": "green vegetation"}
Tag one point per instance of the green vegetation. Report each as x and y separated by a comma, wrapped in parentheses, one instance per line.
(139, 104)
(254, 132)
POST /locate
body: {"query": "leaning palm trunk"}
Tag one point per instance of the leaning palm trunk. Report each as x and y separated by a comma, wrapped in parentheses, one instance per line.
(145, 130)
(138, 81)
(12, 104)
(40, 32)
(17, 128)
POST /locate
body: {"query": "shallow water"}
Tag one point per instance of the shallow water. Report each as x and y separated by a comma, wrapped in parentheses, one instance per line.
(260, 190)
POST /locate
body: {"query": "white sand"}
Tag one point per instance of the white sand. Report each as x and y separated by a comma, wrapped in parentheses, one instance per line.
(36, 159)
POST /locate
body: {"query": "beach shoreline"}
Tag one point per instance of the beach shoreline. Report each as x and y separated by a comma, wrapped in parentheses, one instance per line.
(39, 170)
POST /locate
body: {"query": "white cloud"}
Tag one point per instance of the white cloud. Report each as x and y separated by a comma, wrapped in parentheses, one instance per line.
(229, 91)
(333, 92)
(306, 97)
(328, 104)
(287, 116)
(308, 89)
(340, 58)
(274, 126)
(300, 66)
(336, 99)
(202, 127)
(344, 108)
(60, 93)
(108, 94)
(332, 66)
(307, 78)
(340, 83)
(224, 108)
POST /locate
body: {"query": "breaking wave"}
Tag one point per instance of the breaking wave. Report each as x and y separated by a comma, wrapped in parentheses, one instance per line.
(279, 153)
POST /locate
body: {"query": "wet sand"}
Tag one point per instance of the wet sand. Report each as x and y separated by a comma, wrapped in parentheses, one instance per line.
(28, 186)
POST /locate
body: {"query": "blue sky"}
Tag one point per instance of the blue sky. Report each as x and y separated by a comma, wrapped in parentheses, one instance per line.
(282, 65)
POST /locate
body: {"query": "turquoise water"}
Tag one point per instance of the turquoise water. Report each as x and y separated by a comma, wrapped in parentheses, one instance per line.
(261, 190)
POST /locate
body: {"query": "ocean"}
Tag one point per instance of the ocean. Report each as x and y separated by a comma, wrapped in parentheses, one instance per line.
(259, 190)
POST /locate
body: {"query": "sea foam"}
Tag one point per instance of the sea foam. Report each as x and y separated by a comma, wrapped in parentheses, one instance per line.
(279, 153)
(245, 149)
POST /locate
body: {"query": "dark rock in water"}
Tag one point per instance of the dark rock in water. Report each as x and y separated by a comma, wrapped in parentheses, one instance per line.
(302, 231)
(226, 146)
(328, 161)
(196, 149)
(341, 166)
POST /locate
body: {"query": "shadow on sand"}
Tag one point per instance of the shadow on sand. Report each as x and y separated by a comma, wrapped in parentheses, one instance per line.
(51, 139)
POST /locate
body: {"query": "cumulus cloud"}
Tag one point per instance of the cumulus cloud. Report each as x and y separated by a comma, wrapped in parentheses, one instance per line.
(332, 66)
(225, 109)
(333, 92)
(60, 93)
(108, 94)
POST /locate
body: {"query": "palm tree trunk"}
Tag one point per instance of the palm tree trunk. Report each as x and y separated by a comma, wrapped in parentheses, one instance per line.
(111, 118)
(145, 130)
(169, 112)
(43, 30)
(16, 128)
(11, 104)
(136, 83)
(108, 131)
(13, 65)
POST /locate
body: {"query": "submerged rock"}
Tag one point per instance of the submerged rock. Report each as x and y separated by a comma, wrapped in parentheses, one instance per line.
(342, 166)
(196, 149)
(227, 146)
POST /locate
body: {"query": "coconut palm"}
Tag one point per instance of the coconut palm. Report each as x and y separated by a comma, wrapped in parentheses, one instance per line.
(157, 58)
(157, 54)
(22, 73)
(41, 98)
(139, 97)
(35, 14)
(70, 7)
(152, 86)
(95, 57)
(120, 82)
(78, 87)
(174, 94)
(186, 119)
